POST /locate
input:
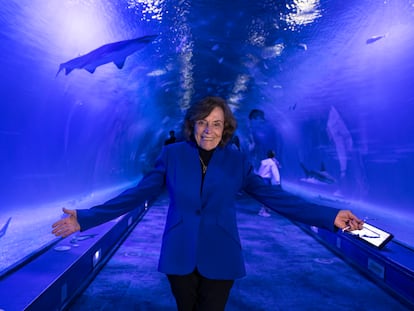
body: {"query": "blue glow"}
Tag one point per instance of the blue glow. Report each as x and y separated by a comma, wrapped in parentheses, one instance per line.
(150, 9)
(96, 257)
(333, 78)
(302, 12)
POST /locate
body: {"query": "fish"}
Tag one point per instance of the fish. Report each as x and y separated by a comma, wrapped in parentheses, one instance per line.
(115, 52)
(4, 228)
(374, 39)
(321, 176)
(157, 73)
(304, 46)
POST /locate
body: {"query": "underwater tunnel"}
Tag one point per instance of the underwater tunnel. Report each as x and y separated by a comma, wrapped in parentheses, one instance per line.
(90, 90)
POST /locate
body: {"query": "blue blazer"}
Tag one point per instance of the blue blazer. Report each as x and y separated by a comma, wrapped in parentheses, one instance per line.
(201, 230)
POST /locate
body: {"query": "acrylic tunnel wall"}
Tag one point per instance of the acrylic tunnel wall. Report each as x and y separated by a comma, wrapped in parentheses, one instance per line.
(331, 82)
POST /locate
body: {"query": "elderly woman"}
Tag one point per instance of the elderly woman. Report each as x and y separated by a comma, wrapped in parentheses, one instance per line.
(201, 252)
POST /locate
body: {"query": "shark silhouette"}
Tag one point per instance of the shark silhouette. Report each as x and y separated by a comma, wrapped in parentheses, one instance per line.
(115, 52)
(320, 176)
(4, 228)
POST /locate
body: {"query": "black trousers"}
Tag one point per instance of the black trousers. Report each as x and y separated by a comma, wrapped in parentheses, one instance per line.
(194, 292)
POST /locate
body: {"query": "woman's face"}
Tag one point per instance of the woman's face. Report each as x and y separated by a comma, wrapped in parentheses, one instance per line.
(209, 131)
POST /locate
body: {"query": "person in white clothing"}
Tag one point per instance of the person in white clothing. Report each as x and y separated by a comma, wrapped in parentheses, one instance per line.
(269, 171)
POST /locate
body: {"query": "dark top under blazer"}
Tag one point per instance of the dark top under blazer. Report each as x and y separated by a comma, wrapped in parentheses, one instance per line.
(201, 230)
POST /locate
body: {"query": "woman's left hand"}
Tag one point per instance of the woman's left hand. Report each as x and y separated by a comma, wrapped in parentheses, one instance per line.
(347, 221)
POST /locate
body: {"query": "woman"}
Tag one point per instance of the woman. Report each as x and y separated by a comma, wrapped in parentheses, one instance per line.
(201, 251)
(269, 171)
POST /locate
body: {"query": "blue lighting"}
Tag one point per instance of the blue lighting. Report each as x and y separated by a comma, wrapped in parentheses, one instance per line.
(333, 78)
(96, 257)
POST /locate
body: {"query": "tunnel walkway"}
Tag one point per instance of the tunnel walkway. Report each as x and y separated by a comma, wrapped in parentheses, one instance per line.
(286, 270)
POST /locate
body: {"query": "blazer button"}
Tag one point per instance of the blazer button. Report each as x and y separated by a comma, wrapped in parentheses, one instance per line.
(198, 212)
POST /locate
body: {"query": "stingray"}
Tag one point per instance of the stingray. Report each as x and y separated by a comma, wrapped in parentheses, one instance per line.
(115, 52)
(341, 136)
(4, 228)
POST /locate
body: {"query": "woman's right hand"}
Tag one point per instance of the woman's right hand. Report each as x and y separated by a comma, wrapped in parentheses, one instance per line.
(67, 225)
